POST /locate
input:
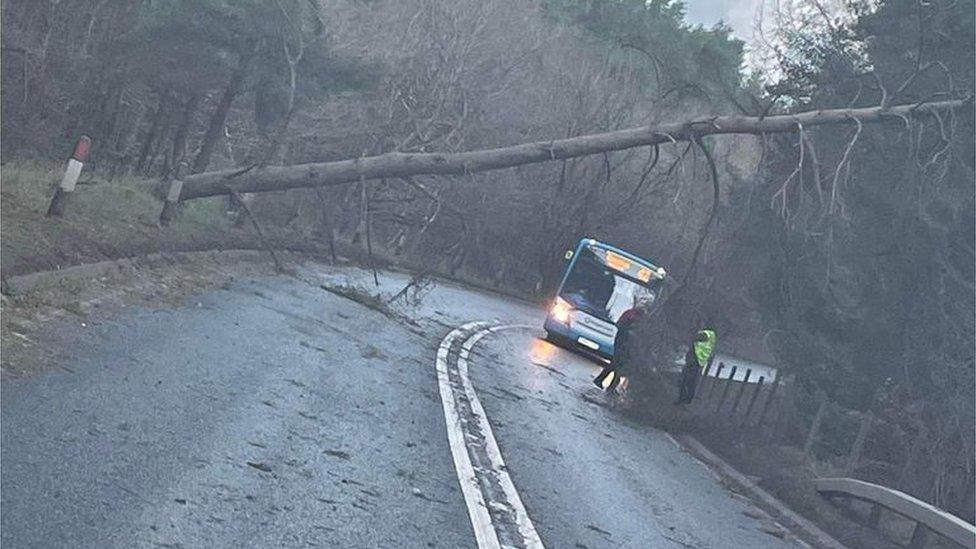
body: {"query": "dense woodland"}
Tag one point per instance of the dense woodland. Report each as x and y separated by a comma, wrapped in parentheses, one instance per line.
(844, 253)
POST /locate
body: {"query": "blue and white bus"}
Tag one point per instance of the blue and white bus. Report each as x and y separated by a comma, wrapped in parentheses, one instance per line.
(599, 284)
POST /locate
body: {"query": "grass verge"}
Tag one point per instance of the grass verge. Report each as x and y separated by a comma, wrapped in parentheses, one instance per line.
(109, 219)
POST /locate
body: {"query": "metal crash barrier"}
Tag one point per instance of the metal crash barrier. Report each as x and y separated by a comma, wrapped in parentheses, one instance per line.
(927, 517)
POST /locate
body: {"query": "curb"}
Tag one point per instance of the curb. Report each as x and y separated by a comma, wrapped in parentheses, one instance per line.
(17, 285)
(24, 284)
(801, 527)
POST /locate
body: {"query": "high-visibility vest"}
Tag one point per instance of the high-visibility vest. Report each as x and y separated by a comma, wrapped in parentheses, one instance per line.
(704, 349)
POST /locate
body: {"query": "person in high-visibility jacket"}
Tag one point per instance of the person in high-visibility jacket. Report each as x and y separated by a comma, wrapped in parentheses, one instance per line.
(699, 353)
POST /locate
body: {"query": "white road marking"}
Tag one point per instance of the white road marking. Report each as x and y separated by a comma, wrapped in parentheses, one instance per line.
(478, 511)
(484, 532)
(525, 526)
(481, 520)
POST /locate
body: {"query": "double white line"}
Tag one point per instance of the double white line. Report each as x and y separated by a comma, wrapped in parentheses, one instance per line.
(465, 443)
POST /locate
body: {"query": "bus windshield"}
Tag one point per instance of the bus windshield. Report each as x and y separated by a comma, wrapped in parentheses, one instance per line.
(595, 287)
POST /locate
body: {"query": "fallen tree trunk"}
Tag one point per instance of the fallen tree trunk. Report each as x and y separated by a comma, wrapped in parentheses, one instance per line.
(399, 165)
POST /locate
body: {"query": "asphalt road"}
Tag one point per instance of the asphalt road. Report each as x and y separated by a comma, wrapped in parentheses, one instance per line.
(272, 413)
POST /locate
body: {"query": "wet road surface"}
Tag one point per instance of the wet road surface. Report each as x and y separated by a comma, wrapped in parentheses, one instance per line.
(271, 413)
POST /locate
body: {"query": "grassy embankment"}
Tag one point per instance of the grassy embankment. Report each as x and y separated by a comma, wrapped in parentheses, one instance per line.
(108, 219)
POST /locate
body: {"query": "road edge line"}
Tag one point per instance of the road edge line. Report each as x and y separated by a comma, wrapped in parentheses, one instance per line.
(525, 526)
(484, 531)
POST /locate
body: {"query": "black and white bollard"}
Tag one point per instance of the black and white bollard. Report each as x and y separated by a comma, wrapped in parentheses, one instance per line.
(75, 163)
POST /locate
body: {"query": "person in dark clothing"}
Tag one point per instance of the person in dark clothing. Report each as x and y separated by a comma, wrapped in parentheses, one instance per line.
(699, 353)
(622, 345)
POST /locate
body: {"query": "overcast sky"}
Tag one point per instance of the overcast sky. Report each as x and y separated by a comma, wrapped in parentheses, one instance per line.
(738, 14)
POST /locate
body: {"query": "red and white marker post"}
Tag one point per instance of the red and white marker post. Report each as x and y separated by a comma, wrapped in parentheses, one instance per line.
(75, 163)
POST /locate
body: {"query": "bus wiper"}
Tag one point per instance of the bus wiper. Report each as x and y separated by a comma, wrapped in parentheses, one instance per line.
(602, 315)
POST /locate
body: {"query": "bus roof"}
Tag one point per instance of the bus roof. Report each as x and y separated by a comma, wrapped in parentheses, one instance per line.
(585, 241)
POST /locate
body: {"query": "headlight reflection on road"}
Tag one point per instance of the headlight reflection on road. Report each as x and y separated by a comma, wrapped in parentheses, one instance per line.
(543, 351)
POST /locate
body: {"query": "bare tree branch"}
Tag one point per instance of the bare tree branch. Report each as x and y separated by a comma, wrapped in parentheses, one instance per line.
(257, 227)
(708, 221)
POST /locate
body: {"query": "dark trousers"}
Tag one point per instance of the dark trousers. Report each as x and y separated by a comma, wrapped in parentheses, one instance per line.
(688, 383)
(602, 376)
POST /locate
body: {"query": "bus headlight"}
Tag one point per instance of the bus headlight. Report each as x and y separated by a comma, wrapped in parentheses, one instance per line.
(560, 310)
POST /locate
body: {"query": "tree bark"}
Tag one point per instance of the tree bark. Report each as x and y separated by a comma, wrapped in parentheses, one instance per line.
(399, 165)
(157, 120)
(219, 118)
(179, 138)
